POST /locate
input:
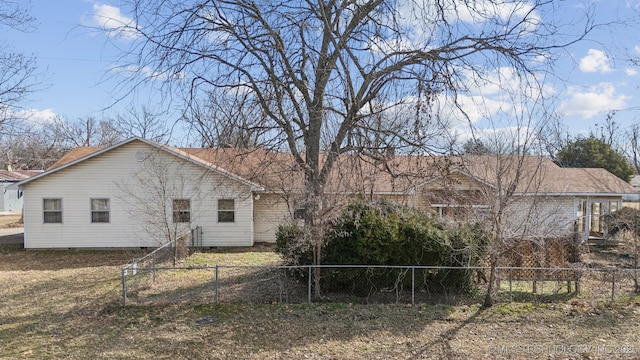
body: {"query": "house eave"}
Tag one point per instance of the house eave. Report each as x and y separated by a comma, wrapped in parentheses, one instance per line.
(574, 194)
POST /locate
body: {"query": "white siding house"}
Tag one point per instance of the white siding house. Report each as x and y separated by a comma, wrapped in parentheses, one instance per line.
(136, 194)
(10, 194)
(142, 194)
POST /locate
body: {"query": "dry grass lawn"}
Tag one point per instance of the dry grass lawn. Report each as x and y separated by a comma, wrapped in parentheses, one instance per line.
(10, 220)
(66, 304)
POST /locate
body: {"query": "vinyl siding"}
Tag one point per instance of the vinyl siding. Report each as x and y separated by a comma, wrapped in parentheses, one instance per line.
(116, 175)
(10, 200)
(271, 210)
(546, 217)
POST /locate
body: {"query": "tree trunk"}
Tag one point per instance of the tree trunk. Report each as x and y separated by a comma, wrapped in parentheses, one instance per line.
(313, 225)
(488, 299)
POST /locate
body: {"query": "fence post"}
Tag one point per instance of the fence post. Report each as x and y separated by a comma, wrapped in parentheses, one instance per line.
(216, 286)
(413, 285)
(124, 287)
(154, 266)
(613, 284)
(309, 287)
(510, 284)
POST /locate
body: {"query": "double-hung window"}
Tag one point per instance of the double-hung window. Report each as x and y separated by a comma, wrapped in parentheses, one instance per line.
(226, 211)
(100, 210)
(52, 211)
(181, 210)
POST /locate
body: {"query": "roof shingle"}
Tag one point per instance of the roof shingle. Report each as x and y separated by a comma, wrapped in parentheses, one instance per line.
(278, 171)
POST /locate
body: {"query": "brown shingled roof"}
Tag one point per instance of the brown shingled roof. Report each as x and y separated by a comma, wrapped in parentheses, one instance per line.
(540, 175)
(75, 154)
(278, 171)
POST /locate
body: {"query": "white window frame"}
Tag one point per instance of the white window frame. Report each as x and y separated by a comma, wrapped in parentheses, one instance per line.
(100, 211)
(181, 215)
(226, 211)
(45, 211)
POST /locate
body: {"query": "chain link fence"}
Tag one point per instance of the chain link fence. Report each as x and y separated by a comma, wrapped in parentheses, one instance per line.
(369, 284)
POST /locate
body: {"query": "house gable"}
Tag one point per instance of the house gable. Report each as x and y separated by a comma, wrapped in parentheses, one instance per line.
(138, 190)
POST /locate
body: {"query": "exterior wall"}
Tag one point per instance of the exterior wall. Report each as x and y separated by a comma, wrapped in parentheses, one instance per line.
(10, 201)
(137, 208)
(271, 210)
(542, 217)
(524, 216)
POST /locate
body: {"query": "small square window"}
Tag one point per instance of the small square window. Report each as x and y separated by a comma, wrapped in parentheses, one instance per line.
(613, 206)
(52, 211)
(99, 210)
(181, 210)
(226, 210)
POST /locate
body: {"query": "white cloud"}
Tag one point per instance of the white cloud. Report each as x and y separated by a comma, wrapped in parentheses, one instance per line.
(37, 117)
(131, 71)
(112, 21)
(420, 16)
(595, 100)
(595, 61)
(480, 107)
(631, 71)
(506, 11)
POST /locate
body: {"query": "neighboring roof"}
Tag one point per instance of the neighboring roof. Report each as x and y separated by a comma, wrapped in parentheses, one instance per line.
(277, 171)
(17, 175)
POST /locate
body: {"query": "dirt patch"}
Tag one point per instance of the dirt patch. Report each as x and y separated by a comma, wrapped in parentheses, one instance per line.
(15, 259)
(619, 255)
(11, 221)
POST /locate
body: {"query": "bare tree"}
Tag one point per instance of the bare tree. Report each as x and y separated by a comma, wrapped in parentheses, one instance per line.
(86, 131)
(319, 71)
(144, 123)
(30, 148)
(158, 196)
(513, 180)
(17, 70)
(517, 212)
(222, 120)
(554, 137)
(633, 150)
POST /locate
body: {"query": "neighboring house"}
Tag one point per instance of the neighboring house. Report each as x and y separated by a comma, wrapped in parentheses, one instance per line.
(633, 200)
(11, 196)
(139, 194)
(635, 182)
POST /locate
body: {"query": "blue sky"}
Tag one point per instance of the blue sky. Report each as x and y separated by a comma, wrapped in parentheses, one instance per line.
(75, 60)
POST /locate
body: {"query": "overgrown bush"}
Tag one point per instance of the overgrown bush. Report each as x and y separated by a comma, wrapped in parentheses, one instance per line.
(385, 233)
(291, 245)
(625, 219)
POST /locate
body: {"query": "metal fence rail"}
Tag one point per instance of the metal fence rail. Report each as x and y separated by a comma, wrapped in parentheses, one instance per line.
(369, 284)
